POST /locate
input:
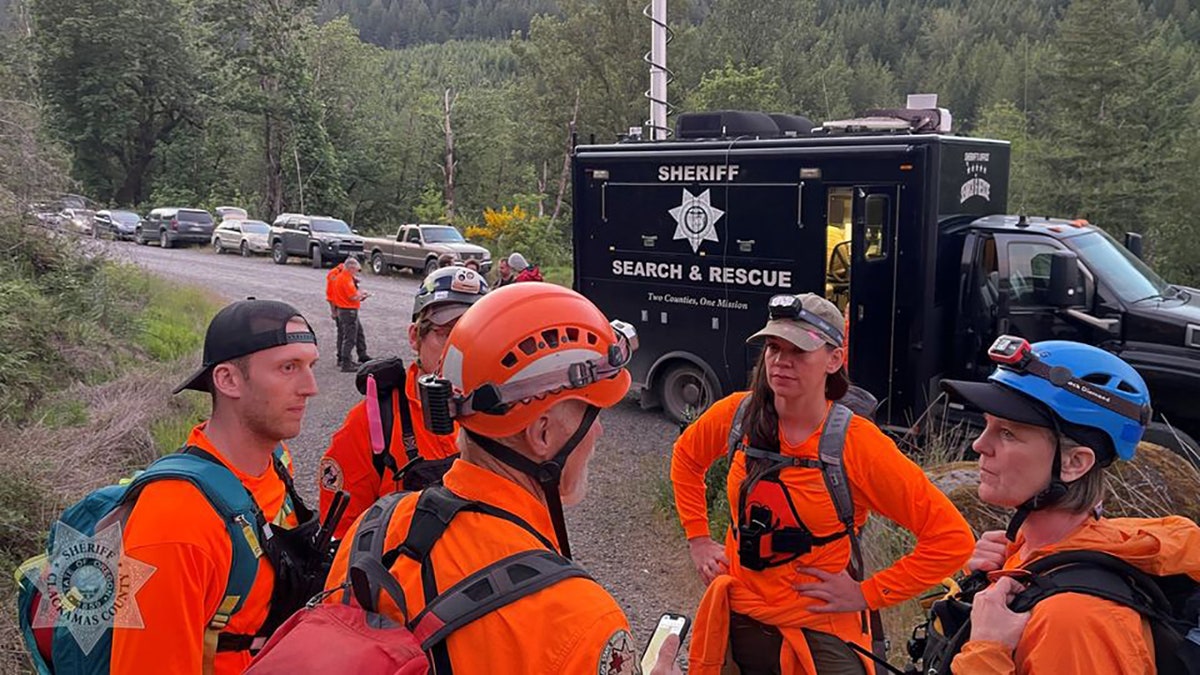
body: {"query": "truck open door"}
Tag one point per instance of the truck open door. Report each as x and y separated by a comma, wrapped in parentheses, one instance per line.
(873, 290)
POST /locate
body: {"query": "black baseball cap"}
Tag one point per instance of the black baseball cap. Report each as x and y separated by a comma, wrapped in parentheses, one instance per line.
(245, 327)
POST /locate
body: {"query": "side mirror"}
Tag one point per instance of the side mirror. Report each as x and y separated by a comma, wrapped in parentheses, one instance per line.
(1133, 242)
(1064, 280)
(353, 231)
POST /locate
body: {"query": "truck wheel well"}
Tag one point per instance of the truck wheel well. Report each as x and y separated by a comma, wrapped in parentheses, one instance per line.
(671, 363)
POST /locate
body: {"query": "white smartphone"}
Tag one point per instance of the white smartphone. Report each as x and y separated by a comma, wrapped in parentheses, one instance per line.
(668, 624)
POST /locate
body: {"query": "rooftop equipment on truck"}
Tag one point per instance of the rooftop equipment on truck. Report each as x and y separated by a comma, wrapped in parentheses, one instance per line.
(889, 217)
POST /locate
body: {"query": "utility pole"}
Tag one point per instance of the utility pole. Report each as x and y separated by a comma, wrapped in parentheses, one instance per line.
(658, 70)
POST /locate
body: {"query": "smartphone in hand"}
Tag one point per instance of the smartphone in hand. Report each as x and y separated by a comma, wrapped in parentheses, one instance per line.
(668, 624)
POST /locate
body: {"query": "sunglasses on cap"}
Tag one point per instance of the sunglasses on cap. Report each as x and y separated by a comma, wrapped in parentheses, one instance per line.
(1016, 354)
(496, 399)
(790, 307)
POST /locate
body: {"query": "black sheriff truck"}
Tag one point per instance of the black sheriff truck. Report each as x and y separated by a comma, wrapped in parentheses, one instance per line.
(898, 223)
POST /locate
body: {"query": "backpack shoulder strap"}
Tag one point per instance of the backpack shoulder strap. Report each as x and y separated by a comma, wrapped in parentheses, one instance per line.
(737, 431)
(366, 571)
(830, 450)
(232, 502)
(497, 585)
(1093, 573)
(383, 461)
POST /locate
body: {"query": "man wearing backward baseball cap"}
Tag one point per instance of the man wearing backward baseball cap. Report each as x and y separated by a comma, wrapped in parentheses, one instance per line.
(258, 370)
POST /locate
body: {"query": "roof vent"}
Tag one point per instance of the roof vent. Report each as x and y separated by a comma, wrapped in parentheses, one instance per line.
(921, 116)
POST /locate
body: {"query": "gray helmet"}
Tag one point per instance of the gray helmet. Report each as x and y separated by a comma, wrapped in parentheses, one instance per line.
(446, 294)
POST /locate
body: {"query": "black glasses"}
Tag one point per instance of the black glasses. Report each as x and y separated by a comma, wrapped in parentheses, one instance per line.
(1016, 354)
(790, 307)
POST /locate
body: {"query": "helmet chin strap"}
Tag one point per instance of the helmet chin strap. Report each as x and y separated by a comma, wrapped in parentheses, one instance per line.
(548, 474)
(1051, 495)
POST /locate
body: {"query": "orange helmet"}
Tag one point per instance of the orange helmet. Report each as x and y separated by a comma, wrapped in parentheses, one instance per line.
(522, 348)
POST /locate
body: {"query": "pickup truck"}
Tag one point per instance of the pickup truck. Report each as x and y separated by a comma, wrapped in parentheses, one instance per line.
(418, 247)
(321, 239)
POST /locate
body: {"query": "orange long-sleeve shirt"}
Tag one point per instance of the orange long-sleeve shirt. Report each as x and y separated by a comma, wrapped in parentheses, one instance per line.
(348, 463)
(173, 528)
(1076, 634)
(330, 277)
(345, 291)
(882, 480)
(574, 626)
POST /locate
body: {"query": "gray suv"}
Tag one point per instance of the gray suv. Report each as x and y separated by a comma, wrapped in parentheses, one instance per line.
(173, 226)
(321, 239)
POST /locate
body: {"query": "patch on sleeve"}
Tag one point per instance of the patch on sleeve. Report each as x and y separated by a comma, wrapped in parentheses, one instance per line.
(619, 656)
(331, 474)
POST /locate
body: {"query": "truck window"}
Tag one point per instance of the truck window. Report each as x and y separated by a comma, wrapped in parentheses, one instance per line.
(1029, 272)
(876, 230)
(413, 236)
(838, 234)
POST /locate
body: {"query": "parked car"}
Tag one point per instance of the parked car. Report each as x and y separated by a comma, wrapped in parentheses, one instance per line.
(230, 213)
(76, 220)
(115, 224)
(244, 236)
(418, 247)
(171, 226)
(322, 239)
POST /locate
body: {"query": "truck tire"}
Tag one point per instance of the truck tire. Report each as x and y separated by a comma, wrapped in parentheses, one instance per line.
(317, 261)
(164, 241)
(244, 249)
(378, 266)
(685, 392)
(431, 266)
(217, 248)
(278, 254)
(1174, 439)
(137, 236)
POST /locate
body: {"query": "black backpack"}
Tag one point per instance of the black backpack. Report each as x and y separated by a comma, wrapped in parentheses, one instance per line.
(418, 473)
(1170, 603)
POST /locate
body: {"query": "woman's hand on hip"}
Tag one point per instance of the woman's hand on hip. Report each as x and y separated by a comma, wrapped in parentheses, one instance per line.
(840, 592)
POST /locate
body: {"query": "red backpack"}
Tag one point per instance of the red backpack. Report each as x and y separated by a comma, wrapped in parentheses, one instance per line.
(353, 637)
(531, 273)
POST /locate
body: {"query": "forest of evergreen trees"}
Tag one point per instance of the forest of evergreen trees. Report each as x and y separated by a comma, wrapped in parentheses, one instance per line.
(209, 101)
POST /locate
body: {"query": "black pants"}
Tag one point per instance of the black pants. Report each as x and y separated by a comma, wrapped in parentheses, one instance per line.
(755, 647)
(350, 336)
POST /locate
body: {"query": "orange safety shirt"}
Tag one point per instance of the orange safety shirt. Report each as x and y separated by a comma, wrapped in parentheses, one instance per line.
(330, 277)
(574, 626)
(882, 480)
(345, 288)
(348, 463)
(1077, 634)
(173, 528)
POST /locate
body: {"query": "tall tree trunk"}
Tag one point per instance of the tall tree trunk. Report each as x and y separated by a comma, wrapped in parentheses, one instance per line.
(566, 166)
(273, 147)
(449, 165)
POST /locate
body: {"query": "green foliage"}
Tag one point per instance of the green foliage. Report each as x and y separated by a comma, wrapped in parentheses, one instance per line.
(732, 88)
(66, 318)
(183, 412)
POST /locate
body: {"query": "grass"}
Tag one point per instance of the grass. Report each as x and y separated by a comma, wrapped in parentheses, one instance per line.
(92, 349)
(563, 275)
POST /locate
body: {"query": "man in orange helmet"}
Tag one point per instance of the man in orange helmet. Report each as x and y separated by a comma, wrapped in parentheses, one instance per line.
(525, 374)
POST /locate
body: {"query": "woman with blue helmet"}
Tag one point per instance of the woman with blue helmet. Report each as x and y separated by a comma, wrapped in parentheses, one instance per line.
(1057, 413)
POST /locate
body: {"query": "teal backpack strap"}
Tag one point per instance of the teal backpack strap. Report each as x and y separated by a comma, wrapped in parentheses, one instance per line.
(236, 508)
(737, 430)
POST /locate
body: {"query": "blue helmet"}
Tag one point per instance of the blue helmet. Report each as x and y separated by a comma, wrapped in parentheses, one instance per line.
(1084, 386)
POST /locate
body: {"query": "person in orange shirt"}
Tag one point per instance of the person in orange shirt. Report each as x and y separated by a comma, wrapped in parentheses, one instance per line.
(350, 463)
(526, 372)
(1057, 413)
(330, 277)
(781, 595)
(348, 299)
(258, 368)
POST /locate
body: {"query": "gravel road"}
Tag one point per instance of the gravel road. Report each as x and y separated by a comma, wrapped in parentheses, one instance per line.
(618, 533)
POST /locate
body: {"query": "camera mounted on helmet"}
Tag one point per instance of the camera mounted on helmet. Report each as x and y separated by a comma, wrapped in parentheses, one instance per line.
(440, 405)
(1016, 354)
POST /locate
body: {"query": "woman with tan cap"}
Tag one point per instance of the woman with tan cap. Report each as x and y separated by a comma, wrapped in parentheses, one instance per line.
(787, 592)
